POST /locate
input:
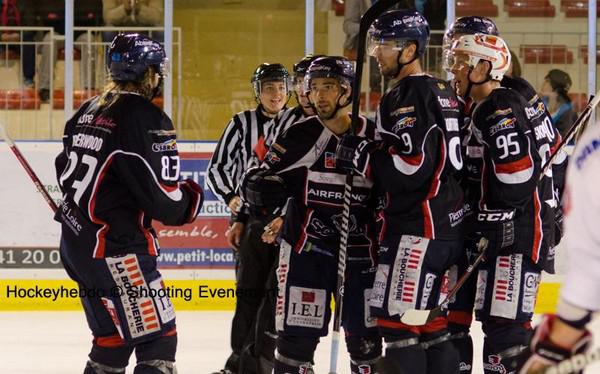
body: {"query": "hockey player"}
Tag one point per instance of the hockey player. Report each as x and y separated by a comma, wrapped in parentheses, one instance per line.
(288, 117)
(560, 336)
(302, 163)
(511, 212)
(418, 122)
(234, 155)
(118, 171)
(461, 309)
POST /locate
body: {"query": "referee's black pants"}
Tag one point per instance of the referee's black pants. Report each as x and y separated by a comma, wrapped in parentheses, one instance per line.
(256, 293)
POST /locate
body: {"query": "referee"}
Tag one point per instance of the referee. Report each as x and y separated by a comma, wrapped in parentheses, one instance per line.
(234, 155)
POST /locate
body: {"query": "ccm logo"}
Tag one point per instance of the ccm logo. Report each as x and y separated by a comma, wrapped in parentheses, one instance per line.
(495, 217)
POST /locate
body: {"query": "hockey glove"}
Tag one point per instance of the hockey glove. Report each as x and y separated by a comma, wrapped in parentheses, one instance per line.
(263, 190)
(542, 353)
(558, 224)
(197, 195)
(498, 227)
(354, 153)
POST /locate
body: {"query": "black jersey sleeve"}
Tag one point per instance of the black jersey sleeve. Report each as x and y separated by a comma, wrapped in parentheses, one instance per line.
(502, 127)
(411, 137)
(149, 165)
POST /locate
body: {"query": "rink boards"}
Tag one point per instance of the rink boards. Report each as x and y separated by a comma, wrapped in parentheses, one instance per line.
(196, 263)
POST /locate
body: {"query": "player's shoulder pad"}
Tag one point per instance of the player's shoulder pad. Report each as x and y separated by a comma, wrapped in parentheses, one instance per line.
(301, 133)
(498, 113)
(523, 87)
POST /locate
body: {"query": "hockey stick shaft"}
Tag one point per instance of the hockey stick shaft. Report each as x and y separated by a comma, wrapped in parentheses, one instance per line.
(575, 128)
(40, 187)
(365, 22)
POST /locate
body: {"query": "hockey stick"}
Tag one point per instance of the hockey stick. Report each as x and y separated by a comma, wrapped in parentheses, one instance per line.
(574, 130)
(416, 317)
(365, 22)
(13, 147)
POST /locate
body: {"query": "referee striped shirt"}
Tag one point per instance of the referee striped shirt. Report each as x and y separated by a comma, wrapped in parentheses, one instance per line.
(234, 152)
(276, 127)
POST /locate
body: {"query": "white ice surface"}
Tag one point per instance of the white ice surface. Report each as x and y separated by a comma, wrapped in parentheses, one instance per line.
(58, 343)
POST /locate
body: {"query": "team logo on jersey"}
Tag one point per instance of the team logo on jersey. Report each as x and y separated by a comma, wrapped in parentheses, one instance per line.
(403, 110)
(530, 287)
(504, 124)
(306, 307)
(364, 369)
(498, 113)
(279, 148)
(330, 160)
(448, 102)
(403, 123)
(167, 145)
(441, 86)
(162, 132)
(272, 157)
(494, 364)
(591, 147)
(507, 286)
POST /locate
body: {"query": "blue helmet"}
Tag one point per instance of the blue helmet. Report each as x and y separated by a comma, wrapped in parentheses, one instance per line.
(130, 55)
(470, 25)
(400, 26)
(336, 67)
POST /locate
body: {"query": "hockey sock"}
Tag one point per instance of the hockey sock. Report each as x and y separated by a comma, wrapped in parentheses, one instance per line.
(442, 358)
(95, 368)
(155, 367)
(463, 343)
(406, 354)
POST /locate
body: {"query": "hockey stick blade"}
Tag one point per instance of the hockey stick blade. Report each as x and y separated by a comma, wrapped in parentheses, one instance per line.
(416, 317)
(573, 130)
(40, 187)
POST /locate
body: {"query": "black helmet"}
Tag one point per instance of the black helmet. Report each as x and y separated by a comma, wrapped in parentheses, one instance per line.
(336, 67)
(301, 66)
(268, 73)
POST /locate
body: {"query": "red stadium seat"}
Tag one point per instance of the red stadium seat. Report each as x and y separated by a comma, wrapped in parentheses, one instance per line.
(583, 53)
(9, 54)
(338, 7)
(374, 99)
(575, 8)
(19, 99)
(546, 54)
(485, 8)
(76, 54)
(529, 8)
(79, 97)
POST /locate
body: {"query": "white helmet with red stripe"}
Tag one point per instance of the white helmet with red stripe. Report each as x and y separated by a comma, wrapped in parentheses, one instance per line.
(484, 47)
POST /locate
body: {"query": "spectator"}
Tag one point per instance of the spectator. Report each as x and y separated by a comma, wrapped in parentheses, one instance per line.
(51, 13)
(353, 11)
(555, 94)
(20, 14)
(123, 13)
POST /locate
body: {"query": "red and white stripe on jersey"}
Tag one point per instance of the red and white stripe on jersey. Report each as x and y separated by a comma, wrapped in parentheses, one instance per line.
(172, 192)
(429, 229)
(515, 172)
(537, 227)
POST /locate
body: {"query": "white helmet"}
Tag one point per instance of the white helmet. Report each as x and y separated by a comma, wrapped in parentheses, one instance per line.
(481, 47)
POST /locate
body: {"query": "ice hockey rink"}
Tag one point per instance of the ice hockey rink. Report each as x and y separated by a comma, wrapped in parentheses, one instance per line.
(58, 342)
